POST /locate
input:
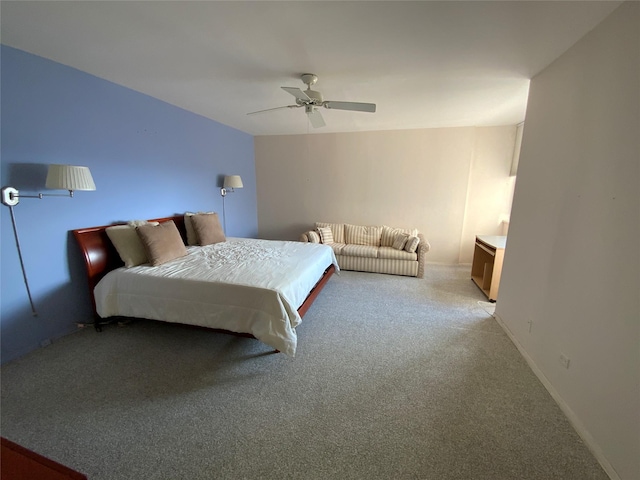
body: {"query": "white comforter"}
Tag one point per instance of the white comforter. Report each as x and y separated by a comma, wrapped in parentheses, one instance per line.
(241, 285)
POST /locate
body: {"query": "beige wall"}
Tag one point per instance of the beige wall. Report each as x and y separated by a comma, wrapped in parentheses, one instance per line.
(572, 263)
(450, 183)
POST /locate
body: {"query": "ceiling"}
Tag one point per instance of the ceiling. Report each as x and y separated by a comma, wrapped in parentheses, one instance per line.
(426, 64)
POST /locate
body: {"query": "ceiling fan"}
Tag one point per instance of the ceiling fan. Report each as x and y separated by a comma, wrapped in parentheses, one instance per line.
(312, 100)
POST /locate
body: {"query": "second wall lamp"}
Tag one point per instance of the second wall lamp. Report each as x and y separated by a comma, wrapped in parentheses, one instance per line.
(231, 182)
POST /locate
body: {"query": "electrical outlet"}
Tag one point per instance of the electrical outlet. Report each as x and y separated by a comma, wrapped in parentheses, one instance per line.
(564, 360)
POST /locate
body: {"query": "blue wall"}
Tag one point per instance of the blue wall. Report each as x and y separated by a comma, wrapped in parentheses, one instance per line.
(148, 159)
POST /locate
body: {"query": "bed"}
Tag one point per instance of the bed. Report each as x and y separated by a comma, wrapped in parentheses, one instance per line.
(250, 287)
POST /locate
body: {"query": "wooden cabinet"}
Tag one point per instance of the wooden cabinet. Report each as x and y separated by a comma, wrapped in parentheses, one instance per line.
(486, 268)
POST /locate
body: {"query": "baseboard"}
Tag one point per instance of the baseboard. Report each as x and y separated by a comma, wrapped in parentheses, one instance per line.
(571, 416)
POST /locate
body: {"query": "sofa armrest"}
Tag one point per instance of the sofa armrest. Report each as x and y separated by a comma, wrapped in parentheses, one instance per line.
(423, 248)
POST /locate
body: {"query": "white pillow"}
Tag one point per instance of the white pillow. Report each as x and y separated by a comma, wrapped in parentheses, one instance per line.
(127, 242)
(314, 237)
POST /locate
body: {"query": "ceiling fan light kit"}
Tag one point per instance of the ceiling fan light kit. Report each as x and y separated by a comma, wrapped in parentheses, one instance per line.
(311, 100)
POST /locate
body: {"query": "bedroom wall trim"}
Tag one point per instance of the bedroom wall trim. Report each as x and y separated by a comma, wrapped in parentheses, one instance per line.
(588, 439)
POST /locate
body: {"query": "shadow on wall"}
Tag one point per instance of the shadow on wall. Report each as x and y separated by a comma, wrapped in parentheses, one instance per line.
(27, 176)
(70, 300)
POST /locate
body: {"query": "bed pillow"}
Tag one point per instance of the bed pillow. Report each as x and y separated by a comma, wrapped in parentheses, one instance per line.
(192, 238)
(208, 229)
(412, 244)
(326, 235)
(161, 242)
(400, 241)
(127, 243)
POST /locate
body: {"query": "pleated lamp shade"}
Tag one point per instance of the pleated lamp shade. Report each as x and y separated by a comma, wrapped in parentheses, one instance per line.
(232, 181)
(69, 177)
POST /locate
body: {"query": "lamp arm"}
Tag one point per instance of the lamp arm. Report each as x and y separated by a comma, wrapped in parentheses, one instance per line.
(11, 196)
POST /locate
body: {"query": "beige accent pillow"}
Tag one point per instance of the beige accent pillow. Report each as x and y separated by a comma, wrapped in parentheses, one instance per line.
(412, 244)
(208, 229)
(400, 241)
(337, 229)
(326, 235)
(362, 235)
(162, 242)
(314, 237)
(388, 234)
(192, 238)
(127, 243)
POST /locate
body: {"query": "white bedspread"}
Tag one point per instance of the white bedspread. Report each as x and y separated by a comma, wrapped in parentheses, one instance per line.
(242, 285)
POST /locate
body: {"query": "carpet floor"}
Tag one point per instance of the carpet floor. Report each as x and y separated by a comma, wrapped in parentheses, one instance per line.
(394, 378)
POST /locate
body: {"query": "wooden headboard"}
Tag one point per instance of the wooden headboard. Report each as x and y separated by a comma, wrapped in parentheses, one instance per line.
(99, 254)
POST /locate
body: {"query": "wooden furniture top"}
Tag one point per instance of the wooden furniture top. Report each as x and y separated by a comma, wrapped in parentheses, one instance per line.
(495, 241)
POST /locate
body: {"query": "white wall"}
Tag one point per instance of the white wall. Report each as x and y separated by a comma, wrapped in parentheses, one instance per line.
(572, 265)
(450, 183)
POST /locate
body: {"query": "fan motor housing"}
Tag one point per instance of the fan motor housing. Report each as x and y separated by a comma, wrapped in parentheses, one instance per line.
(316, 96)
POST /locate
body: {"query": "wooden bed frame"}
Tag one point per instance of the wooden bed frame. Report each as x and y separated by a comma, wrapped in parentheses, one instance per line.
(100, 257)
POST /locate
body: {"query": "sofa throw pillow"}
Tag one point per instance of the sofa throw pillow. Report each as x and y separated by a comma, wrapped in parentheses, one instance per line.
(412, 244)
(127, 243)
(314, 237)
(192, 238)
(362, 235)
(400, 241)
(388, 235)
(162, 242)
(337, 229)
(326, 235)
(208, 229)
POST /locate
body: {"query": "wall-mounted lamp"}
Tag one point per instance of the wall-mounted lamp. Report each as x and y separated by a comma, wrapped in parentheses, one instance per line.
(231, 182)
(59, 177)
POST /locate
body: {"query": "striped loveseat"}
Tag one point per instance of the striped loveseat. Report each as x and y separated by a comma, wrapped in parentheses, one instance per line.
(378, 249)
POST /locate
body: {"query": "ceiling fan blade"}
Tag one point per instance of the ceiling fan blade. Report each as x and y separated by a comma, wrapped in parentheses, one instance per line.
(315, 118)
(276, 108)
(296, 92)
(355, 106)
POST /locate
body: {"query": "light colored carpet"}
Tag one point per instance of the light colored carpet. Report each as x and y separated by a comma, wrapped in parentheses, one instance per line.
(394, 378)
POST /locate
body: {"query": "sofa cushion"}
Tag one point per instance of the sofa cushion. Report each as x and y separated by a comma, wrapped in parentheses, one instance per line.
(393, 254)
(336, 228)
(360, 250)
(362, 235)
(337, 247)
(388, 234)
(326, 235)
(412, 244)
